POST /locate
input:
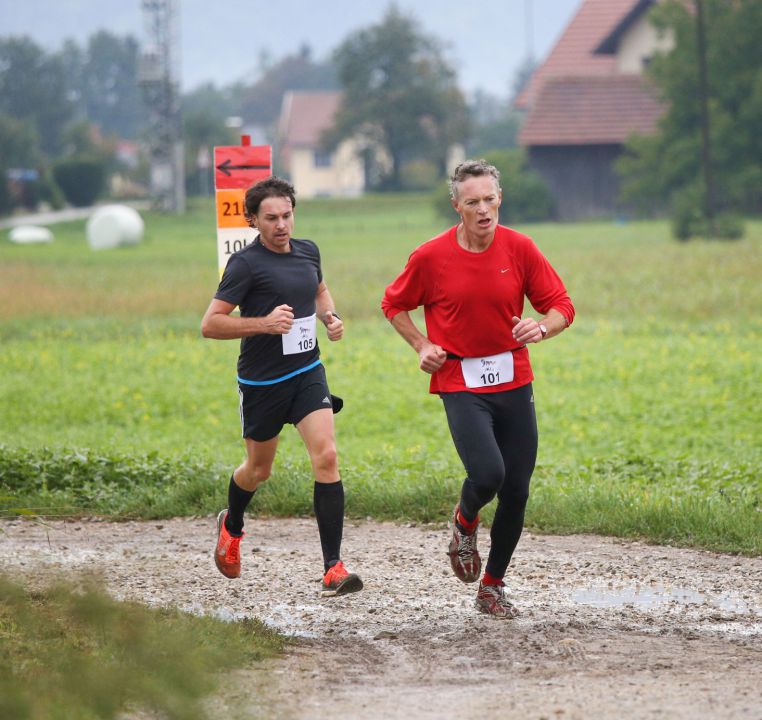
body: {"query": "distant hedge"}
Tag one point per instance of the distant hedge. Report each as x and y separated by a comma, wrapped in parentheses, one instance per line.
(81, 180)
(526, 198)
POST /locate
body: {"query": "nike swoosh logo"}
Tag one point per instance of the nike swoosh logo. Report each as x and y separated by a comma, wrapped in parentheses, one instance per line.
(505, 271)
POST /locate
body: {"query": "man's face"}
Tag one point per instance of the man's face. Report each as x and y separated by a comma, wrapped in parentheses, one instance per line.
(478, 203)
(275, 222)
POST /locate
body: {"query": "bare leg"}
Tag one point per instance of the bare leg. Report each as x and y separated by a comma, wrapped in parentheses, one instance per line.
(317, 432)
(246, 478)
(258, 465)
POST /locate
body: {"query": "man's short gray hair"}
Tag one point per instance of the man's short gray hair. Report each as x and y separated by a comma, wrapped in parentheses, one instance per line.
(472, 168)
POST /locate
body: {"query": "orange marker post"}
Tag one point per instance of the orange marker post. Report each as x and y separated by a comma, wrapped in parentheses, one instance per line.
(236, 168)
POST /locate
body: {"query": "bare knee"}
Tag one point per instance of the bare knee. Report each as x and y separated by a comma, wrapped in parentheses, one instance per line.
(250, 477)
(326, 459)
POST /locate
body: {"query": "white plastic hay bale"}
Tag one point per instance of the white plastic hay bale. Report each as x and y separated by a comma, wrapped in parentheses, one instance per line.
(114, 225)
(29, 234)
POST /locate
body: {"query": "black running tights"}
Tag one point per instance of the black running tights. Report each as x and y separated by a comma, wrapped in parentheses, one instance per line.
(495, 435)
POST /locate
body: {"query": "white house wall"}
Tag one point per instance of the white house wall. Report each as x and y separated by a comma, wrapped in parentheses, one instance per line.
(638, 44)
(344, 177)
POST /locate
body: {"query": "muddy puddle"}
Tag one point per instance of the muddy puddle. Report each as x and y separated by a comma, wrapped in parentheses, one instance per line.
(609, 629)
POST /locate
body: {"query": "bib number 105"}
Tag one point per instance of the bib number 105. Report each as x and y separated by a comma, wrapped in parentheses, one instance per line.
(302, 337)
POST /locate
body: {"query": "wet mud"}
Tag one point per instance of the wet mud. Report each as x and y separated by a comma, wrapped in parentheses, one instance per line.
(608, 628)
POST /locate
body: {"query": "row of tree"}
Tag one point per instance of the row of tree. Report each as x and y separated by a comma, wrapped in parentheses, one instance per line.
(398, 89)
(60, 115)
(401, 93)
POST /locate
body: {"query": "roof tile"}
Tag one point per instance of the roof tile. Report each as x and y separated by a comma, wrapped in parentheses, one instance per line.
(305, 115)
(573, 53)
(591, 111)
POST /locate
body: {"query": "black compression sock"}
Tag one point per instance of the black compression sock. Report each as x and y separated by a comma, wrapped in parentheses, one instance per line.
(238, 500)
(329, 512)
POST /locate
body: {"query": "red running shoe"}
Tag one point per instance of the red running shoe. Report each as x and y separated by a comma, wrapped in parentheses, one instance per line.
(339, 581)
(492, 600)
(227, 554)
(464, 555)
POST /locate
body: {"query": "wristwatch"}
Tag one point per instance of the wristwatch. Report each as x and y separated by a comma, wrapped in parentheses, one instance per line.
(543, 330)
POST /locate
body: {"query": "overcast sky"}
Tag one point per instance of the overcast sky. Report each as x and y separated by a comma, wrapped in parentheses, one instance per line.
(223, 41)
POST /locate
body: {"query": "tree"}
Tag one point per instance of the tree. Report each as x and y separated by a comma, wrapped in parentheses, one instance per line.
(210, 101)
(33, 89)
(107, 88)
(203, 128)
(260, 103)
(18, 149)
(18, 143)
(526, 198)
(399, 93)
(495, 124)
(669, 164)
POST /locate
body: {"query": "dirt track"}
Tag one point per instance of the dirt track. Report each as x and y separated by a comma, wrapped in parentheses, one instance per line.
(609, 629)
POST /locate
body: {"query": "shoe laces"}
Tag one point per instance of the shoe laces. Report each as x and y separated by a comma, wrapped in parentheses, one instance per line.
(467, 544)
(498, 592)
(233, 552)
(336, 572)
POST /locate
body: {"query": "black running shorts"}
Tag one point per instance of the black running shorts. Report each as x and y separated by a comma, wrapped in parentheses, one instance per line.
(265, 409)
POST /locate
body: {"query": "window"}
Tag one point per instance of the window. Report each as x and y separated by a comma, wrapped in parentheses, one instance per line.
(321, 158)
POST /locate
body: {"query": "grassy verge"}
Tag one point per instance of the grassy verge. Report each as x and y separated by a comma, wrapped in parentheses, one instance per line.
(70, 651)
(716, 506)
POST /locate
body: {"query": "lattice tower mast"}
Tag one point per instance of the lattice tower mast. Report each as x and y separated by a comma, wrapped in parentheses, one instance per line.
(160, 83)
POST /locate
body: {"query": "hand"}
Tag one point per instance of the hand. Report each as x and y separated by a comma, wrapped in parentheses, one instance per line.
(280, 320)
(526, 330)
(334, 326)
(431, 357)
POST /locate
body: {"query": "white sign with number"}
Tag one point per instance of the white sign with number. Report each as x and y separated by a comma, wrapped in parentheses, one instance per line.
(486, 371)
(302, 336)
(230, 240)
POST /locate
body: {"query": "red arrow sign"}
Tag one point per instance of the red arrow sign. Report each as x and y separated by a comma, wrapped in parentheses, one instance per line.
(239, 166)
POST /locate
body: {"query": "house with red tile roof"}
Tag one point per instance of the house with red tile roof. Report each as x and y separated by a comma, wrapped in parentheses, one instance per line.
(586, 99)
(315, 171)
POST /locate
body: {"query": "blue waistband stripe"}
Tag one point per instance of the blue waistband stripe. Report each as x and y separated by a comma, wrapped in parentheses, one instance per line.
(280, 379)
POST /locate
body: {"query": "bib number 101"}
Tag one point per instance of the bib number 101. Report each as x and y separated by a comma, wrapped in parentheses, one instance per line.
(488, 371)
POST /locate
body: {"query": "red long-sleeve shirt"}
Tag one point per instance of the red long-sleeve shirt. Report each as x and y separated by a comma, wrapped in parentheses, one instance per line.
(469, 300)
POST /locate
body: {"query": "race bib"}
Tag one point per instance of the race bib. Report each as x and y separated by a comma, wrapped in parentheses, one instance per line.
(302, 336)
(486, 371)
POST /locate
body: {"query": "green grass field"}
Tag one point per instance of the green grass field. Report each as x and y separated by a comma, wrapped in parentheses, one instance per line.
(649, 406)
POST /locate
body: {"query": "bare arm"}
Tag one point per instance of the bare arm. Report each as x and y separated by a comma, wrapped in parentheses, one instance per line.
(528, 329)
(219, 324)
(325, 310)
(431, 357)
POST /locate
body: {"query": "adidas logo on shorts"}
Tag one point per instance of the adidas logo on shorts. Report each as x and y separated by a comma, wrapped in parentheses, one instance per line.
(327, 400)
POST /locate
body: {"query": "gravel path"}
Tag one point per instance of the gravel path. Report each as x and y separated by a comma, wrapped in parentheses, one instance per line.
(609, 628)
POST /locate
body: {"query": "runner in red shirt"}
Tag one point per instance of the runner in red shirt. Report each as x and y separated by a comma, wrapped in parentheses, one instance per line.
(471, 281)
